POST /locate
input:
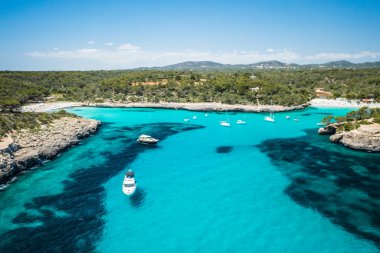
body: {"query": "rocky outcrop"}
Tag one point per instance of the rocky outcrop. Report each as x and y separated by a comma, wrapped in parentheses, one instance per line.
(336, 137)
(327, 130)
(30, 148)
(366, 137)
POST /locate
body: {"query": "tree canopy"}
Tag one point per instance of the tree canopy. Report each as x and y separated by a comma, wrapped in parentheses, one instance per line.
(283, 87)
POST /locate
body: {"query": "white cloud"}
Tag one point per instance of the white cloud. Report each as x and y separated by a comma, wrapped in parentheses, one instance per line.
(110, 44)
(270, 50)
(80, 53)
(342, 56)
(90, 42)
(130, 56)
(128, 47)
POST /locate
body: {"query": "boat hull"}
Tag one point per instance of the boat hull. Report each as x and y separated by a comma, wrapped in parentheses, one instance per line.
(129, 191)
(147, 142)
(268, 119)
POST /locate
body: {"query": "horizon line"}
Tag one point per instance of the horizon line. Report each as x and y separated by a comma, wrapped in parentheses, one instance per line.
(209, 61)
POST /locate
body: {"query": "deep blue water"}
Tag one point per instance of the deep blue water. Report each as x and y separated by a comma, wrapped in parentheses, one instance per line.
(259, 187)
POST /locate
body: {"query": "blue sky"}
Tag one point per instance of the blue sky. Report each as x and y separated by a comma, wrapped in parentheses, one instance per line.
(80, 34)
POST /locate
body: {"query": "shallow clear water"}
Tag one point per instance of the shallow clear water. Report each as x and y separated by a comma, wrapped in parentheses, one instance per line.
(259, 187)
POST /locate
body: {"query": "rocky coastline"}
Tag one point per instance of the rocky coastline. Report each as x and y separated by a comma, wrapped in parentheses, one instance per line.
(365, 137)
(25, 149)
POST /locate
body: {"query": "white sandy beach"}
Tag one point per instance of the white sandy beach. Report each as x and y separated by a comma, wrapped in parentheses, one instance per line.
(341, 103)
(43, 107)
(317, 102)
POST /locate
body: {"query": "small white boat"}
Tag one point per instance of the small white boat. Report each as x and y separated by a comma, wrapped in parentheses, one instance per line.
(321, 124)
(194, 117)
(240, 122)
(129, 183)
(287, 117)
(147, 139)
(225, 124)
(186, 119)
(269, 118)
(206, 115)
(297, 119)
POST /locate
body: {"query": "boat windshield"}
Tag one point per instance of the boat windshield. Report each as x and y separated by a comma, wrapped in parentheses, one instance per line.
(129, 185)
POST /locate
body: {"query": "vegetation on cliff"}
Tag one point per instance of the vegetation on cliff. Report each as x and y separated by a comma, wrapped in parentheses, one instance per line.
(28, 120)
(354, 119)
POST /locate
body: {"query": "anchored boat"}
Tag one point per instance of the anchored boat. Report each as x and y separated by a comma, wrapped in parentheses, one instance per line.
(147, 139)
(129, 183)
(269, 118)
(225, 123)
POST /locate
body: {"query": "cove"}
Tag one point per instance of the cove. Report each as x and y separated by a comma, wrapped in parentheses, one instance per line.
(258, 187)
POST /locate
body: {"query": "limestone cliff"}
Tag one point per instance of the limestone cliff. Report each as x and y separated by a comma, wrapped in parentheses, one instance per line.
(366, 137)
(29, 148)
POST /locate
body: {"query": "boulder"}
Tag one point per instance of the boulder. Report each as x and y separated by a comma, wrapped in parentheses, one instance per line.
(327, 130)
(336, 138)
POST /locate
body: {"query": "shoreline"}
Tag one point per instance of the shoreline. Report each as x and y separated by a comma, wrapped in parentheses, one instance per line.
(341, 103)
(364, 138)
(27, 149)
(203, 107)
(217, 107)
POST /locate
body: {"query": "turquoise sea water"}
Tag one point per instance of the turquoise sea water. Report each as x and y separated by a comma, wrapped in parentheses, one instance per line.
(259, 187)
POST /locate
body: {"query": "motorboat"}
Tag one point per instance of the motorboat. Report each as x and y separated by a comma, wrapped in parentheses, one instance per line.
(194, 117)
(240, 122)
(287, 117)
(147, 139)
(129, 183)
(225, 123)
(297, 119)
(321, 124)
(206, 115)
(186, 119)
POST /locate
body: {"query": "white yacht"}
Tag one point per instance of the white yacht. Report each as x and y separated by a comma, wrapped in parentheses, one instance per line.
(287, 117)
(240, 122)
(269, 118)
(186, 119)
(147, 139)
(225, 123)
(129, 183)
(194, 117)
(297, 119)
(206, 115)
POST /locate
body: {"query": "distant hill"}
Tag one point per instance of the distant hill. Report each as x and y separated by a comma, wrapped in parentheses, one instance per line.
(194, 65)
(210, 65)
